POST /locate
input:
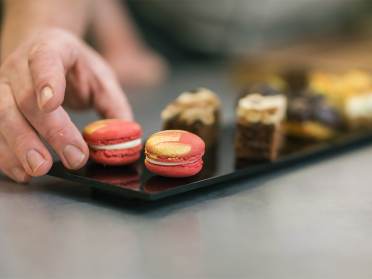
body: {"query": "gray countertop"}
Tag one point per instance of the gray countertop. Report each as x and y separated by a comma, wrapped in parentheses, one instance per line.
(310, 222)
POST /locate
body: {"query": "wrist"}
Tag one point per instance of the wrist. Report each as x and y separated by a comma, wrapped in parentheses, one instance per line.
(24, 19)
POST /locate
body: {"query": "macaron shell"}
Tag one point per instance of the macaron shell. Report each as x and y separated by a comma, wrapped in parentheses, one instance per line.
(111, 131)
(115, 157)
(174, 146)
(171, 149)
(176, 171)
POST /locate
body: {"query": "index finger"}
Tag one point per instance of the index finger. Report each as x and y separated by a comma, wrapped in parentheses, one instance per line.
(108, 98)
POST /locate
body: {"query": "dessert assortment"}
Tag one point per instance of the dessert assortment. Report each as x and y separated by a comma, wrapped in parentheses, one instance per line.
(320, 102)
(344, 99)
(303, 105)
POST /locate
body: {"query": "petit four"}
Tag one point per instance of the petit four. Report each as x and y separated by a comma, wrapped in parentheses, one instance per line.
(196, 111)
(259, 133)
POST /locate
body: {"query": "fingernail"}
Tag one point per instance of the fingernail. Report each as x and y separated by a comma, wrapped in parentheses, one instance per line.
(45, 95)
(74, 156)
(19, 174)
(35, 160)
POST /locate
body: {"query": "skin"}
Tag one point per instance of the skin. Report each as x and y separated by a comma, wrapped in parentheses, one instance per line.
(123, 48)
(45, 65)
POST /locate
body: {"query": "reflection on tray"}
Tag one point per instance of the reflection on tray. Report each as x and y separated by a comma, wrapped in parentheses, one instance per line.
(210, 162)
(291, 146)
(124, 176)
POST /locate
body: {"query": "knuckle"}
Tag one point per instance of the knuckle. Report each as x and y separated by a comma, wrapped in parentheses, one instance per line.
(56, 32)
(4, 112)
(21, 141)
(45, 65)
(25, 102)
(41, 57)
(6, 105)
(104, 69)
(10, 64)
(38, 50)
(52, 42)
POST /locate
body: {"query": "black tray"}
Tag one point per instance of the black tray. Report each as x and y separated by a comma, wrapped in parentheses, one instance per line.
(136, 182)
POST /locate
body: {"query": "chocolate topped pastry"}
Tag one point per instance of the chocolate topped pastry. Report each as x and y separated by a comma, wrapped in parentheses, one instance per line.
(311, 106)
(264, 89)
(196, 111)
(310, 116)
(259, 127)
(296, 78)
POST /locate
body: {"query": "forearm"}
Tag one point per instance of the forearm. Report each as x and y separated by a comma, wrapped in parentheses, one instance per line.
(24, 18)
(112, 17)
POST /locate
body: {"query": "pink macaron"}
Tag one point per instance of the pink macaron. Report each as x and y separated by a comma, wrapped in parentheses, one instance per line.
(114, 141)
(174, 153)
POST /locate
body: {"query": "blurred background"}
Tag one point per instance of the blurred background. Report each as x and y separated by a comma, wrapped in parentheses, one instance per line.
(223, 28)
(186, 31)
(231, 44)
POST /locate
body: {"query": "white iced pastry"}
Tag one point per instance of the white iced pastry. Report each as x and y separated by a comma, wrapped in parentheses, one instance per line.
(359, 106)
(191, 106)
(256, 108)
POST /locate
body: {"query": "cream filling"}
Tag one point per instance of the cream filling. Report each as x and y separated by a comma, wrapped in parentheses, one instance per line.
(169, 163)
(123, 145)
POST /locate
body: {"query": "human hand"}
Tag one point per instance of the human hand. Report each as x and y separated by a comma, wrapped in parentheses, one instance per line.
(49, 69)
